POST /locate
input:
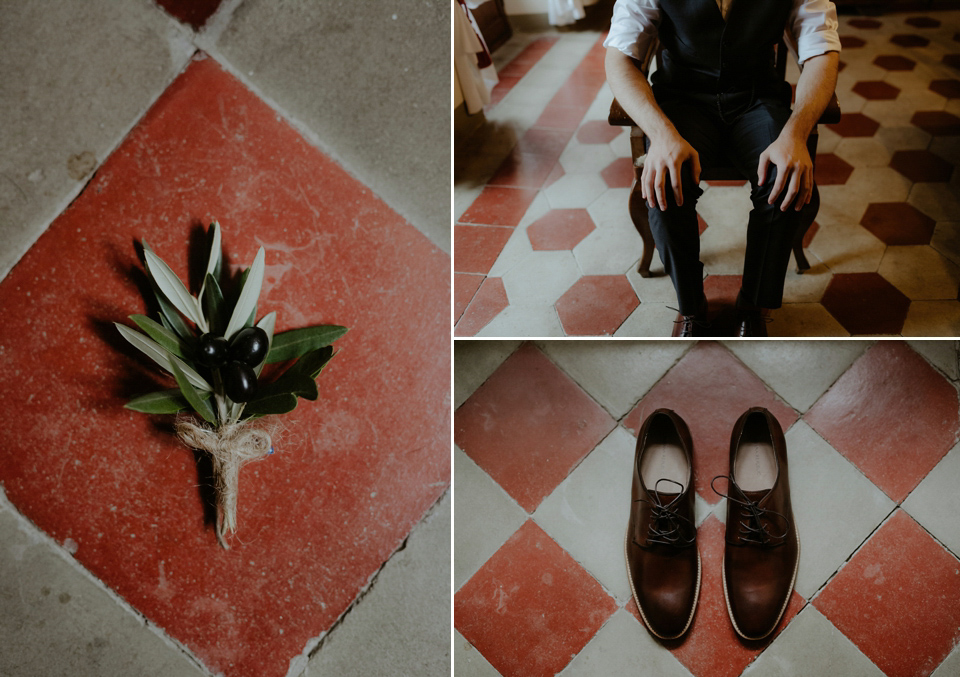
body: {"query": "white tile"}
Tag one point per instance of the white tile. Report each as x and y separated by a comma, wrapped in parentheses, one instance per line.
(649, 319)
(585, 157)
(623, 647)
(621, 145)
(861, 152)
(899, 111)
(920, 272)
(573, 191)
(804, 319)
(612, 209)
(935, 503)
(946, 239)
(468, 662)
(903, 137)
(516, 252)
(848, 248)
(600, 108)
(807, 287)
(541, 278)
(785, 366)
(877, 184)
(615, 373)
(837, 207)
(810, 646)
(937, 200)
(932, 318)
(941, 354)
(950, 667)
(587, 513)
(474, 362)
(726, 210)
(656, 289)
(835, 506)
(609, 251)
(850, 102)
(484, 517)
(828, 140)
(528, 320)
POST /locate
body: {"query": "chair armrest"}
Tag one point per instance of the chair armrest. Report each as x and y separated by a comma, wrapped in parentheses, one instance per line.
(831, 114)
(618, 116)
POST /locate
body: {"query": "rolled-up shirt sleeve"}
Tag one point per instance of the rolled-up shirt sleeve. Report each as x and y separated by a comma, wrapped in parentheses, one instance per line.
(633, 26)
(812, 28)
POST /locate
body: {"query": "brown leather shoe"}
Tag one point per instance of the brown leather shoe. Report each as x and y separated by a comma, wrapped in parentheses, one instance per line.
(663, 564)
(689, 326)
(762, 545)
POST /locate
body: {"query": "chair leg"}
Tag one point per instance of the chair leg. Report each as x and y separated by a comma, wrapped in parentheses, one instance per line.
(640, 218)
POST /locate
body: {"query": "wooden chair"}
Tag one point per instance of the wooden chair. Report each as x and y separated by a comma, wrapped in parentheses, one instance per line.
(638, 207)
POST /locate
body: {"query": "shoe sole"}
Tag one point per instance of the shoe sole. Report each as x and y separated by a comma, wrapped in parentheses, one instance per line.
(786, 602)
(633, 589)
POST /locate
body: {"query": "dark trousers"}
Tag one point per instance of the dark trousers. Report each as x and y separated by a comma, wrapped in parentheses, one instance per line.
(734, 141)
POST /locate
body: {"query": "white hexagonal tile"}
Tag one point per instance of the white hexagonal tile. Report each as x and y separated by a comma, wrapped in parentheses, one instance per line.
(528, 320)
(920, 272)
(932, 318)
(935, 502)
(573, 191)
(861, 152)
(804, 319)
(848, 248)
(585, 157)
(541, 278)
(612, 209)
(609, 251)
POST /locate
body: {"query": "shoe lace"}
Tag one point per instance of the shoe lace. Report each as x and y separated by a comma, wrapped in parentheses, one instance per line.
(756, 522)
(688, 321)
(666, 525)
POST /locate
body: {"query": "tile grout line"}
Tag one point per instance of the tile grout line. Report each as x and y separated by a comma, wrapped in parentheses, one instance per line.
(38, 536)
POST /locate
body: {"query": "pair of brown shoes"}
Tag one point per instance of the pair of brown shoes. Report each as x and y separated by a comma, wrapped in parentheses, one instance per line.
(762, 545)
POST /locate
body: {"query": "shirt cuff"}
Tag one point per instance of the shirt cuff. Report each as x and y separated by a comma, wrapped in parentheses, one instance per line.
(815, 29)
(633, 26)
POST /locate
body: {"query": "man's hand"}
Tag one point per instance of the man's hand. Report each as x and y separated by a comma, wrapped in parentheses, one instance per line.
(794, 170)
(665, 158)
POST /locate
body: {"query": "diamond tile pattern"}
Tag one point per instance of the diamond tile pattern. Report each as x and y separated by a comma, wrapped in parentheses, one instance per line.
(895, 145)
(883, 591)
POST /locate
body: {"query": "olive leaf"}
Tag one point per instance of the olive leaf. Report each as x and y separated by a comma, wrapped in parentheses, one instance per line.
(280, 403)
(200, 405)
(214, 259)
(297, 342)
(161, 355)
(161, 402)
(292, 382)
(165, 337)
(313, 362)
(268, 322)
(247, 303)
(213, 306)
(173, 288)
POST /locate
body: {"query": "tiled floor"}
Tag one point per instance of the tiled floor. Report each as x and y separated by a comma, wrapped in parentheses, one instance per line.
(545, 442)
(109, 564)
(544, 245)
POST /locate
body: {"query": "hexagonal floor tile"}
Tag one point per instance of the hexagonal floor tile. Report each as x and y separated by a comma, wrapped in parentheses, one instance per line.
(909, 40)
(831, 170)
(488, 302)
(855, 124)
(876, 90)
(596, 305)
(948, 88)
(598, 131)
(864, 23)
(851, 41)
(922, 22)
(865, 303)
(895, 63)
(898, 223)
(921, 166)
(937, 122)
(560, 229)
(921, 272)
(619, 173)
(952, 60)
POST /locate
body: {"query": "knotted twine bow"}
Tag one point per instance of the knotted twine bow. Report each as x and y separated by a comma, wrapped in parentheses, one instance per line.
(230, 446)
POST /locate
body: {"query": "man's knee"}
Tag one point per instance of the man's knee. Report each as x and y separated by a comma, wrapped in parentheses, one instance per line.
(690, 189)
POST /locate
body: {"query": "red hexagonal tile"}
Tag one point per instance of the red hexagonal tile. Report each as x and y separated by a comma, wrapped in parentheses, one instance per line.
(545, 424)
(193, 12)
(596, 305)
(526, 170)
(831, 170)
(909, 40)
(876, 90)
(724, 388)
(922, 22)
(476, 248)
(898, 223)
(841, 65)
(864, 23)
(865, 303)
(531, 608)
(937, 122)
(555, 174)
(855, 124)
(892, 415)
(465, 285)
(895, 63)
(560, 229)
(898, 599)
(619, 173)
(499, 206)
(947, 88)
(489, 300)
(952, 60)
(598, 131)
(701, 224)
(851, 41)
(544, 141)
(921, 166)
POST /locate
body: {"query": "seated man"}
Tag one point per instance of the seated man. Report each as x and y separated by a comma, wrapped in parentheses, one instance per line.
(717, 99)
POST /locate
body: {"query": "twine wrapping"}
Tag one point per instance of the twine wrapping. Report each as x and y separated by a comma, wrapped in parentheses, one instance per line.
(230, 446)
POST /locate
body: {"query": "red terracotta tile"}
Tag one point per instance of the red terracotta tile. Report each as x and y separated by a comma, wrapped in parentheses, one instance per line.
(851, 41)
(909, 40)
(701, 224)
(576, 96)
(192, 12)
(865, 303)
(487, 303)
(727, 182)
(598, 131)
(895, 63)
(840, 66)
(561, 117)
(855, 124)
(722, 290)
(464, 287)
(898, 599)
(544, 141)
(476, 248)
(321, 515)
(864, 23)
(831, 170)
(525, 170)
(724, 389)
(952, 60)
(554, 174)
(949, 88)
(712, 648)
(560, 229)
(937, 122)
(922, 22)
(502, 88)
(876, 90)
(898, 223)
(499, 206)
(596, 305)
(529, 425)
(892, 414)
(531, 608)
(921, 165)
(619, 173)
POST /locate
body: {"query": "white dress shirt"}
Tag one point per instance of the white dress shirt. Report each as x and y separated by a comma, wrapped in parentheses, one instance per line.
(811, 29)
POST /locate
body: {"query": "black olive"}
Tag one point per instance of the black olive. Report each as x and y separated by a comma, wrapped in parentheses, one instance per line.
(239, 381)
(249, 345)
(212, 351)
